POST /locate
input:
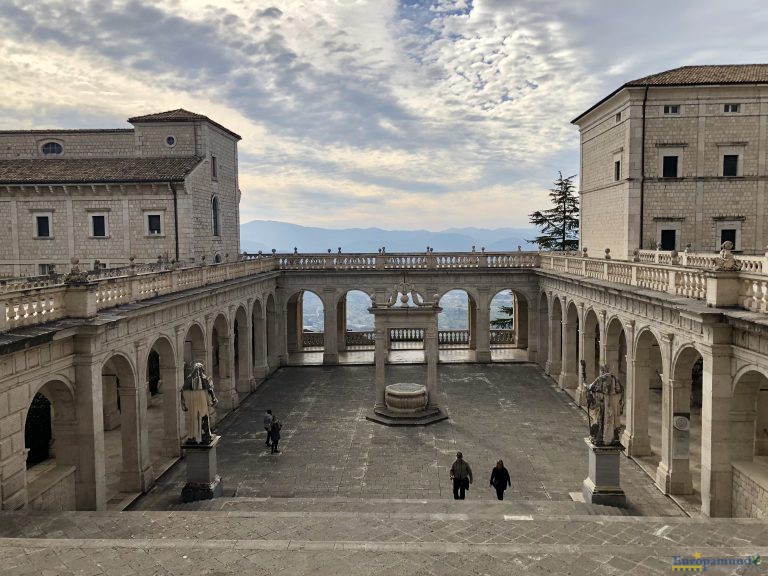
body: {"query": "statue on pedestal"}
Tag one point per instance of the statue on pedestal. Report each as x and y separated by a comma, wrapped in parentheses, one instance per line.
(605, 405)
(197, 396)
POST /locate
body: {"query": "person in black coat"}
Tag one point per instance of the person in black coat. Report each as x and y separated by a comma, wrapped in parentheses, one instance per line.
(500, 479)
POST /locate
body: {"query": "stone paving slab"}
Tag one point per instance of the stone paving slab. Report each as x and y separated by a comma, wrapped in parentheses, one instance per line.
(508, 411)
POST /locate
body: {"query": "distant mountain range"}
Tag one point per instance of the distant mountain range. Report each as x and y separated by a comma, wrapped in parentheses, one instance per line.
(267, 234)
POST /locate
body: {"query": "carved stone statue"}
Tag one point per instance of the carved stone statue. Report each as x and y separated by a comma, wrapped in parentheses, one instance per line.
(605, 405)
(197, 396)
(726, 260)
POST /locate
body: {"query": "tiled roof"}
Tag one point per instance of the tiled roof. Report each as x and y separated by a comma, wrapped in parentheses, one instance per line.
(96, 170)
(70, 131)
(179, 115)
(702, 75)
(695, 76)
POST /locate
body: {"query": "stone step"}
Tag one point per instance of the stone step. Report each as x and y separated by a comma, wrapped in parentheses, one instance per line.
(400, 506)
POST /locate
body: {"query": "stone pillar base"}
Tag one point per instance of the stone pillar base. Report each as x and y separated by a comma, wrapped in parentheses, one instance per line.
(552, 369)
(636, 444)
(483, 356)
(569, 381)
(677, 482)
(203, 483)
(603, 486)
(330, 358)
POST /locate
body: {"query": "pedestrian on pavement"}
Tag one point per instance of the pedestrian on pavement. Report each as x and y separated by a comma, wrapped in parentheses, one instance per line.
(500, 479)
(268, 424)
(461, 474)
(275, 435)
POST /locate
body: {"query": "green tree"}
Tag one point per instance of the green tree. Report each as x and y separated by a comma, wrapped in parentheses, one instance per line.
(505, 323)
(559, 225)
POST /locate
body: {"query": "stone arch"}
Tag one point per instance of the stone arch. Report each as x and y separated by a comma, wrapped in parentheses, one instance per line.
(128, 468)
(163, 409)
(544, 326)
(306, 331)
(360, 334)
(591, 338)
(522, 328)
(259, 339)
(616, 348)
(748, 440)
(50, 436)
(555, 338)
(194, 347)
(221, 361)
(242, 351)
(642, 437)
(457, 321)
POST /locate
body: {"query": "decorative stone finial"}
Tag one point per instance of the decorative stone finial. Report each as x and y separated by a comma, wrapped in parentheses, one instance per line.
(519, 248)
(339, 249)
(329, 250)
(584, 252)
(482, 249)
(295, 250)
(726, 260)
(607, 253)
(636, 255)
(473, 248)
(76, 276)
(274, 251)
(688, 248)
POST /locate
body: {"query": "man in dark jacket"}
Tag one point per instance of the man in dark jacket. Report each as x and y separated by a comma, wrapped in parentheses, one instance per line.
(275, 434)
(461, 474)
(500, 479)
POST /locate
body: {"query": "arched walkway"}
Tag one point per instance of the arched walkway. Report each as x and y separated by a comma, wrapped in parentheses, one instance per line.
(456, 323)
(555, 331)
(509, 325)
(355, 327)
(590, 369)
(643, 401)
(571, 337)
(242, 351)
(259, 341)
(305, 323)
(222, 359)
(128, 468)
(544, 325)
(273, 354)
(748, 443)
(50, 436)
(163, 408)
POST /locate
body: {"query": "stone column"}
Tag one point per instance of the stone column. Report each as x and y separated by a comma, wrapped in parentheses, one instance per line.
(90, 479)
(341, 325)
(483, 325)
(569, 378)
(295, 326)
(555, 344)
(472, 323)
(136, 474)
(532, 314)
(244, 368)
(330, 328)
(172, 377)
(225, 389)
(716, 473)
(260, 368)
(380, 357)
(431, 352)
(673, 476)
(761, 442)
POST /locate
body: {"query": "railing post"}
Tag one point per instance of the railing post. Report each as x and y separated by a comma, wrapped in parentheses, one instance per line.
(605, 270)
(80, 300)
(633, 277)
(328, 264)
(3, 315)
(431, 260)
(671, 281)
(722, 288)
(482, 261)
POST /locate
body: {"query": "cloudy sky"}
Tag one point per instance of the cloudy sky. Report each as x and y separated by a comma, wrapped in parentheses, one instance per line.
(398, 114)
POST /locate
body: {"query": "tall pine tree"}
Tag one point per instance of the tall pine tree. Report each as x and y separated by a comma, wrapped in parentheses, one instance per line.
(559, 225)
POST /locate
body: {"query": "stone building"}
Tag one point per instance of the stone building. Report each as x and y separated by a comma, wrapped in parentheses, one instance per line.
(677, 158)
(168, 187)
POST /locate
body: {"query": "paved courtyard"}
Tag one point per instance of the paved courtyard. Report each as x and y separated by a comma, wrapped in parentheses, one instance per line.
(511, 412)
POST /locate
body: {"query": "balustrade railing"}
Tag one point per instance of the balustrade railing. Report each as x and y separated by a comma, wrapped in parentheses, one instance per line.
(313, 339)
(364, 338)
(502, 337)
(453, 337)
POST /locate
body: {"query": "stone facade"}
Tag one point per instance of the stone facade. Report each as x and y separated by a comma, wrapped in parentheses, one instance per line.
(693, 203)
(186, 225)
(750, 491)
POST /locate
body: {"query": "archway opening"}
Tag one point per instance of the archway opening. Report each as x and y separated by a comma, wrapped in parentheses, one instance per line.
(509, 326)
(356, 324)
(162, 405)
(543, 332)
(305, 322)
(590, 368)
(571, 342)
(643, 438)
(242, 352)
(272, 344)
(748, 445)
(259, 341)
(222, 362)
(555, 340)
(456, 322)
(52, 449)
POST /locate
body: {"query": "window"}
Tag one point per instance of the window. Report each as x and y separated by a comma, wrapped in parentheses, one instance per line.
(731, 108)
(617, 170)
(46, 269)
(215, 215)
(727, 231)
(728, 235)
(43, 226)
(669, 167)
(730, 165)
(52, 149)
(170, 141)
(671, 109)
(99, 225)
(668, 239)
(618, 117)
(217, 259)
(214, 168)
(154, 224)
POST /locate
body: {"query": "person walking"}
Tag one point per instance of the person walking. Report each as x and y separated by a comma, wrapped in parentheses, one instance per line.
(268, 424)
(275, 435)
(461, 474)
(500, 479)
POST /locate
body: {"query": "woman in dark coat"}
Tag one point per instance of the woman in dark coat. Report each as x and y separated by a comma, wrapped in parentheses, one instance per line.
(500, 479)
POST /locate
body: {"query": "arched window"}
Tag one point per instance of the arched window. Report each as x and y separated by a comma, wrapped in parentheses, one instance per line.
(215, 216)
(52, 149)
(217, 259)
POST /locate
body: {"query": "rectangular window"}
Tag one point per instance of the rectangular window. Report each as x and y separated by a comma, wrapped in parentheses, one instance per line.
(153, 224)
(98, 225)
(214, 168)
(45, 269)
(618, 117)
(617, 170)
(43, 226)
(728, 235)
(671, 109)
(669, 167)
(731, 165)
(731, 108)
(668, 239)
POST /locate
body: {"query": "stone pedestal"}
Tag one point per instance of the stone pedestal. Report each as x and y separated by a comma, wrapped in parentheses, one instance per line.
(603, 486)
(202, 481)
(406, 404)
